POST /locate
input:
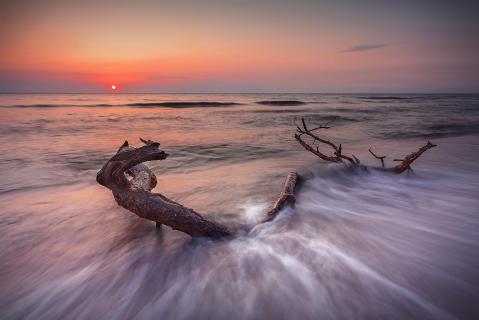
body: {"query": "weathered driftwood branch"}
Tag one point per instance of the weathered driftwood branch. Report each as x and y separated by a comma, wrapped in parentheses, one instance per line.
(285, 197)
(410, 158)
(378, 157)
(338, 156)
(134, 194)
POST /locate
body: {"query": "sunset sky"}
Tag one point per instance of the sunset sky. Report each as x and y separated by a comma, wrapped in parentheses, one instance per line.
(239, 46)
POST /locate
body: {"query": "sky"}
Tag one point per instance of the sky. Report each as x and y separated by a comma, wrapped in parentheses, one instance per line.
(239, 46)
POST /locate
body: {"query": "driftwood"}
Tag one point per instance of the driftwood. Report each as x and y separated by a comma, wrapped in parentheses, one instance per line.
(286, 196)
(381, 158)
(134, 192)
(131, 182)
(410, 158)
(338, 155)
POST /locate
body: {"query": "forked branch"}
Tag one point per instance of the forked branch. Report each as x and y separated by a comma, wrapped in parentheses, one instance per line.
(378, 157)
(338, 156)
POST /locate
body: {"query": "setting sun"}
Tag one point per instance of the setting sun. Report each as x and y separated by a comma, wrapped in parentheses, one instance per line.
(268, 159)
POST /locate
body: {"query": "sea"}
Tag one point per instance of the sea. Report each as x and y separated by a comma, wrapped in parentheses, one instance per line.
(358, 244)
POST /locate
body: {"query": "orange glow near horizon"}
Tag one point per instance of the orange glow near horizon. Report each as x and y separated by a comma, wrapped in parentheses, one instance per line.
(113, 87)
(300, 46)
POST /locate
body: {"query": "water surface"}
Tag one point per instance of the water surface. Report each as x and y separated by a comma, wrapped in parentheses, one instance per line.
(358, 245)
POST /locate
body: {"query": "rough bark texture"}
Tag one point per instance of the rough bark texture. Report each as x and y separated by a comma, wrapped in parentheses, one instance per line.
(410, 158)
(133, 192)
(285, 197)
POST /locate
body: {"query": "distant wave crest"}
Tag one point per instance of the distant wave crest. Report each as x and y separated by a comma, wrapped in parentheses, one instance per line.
(181, 104)
(51, 106)
(281, 102)
(174, 104)
(384, 98)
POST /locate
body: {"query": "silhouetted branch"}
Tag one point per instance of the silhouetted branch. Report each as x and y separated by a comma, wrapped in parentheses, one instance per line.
(378, 157)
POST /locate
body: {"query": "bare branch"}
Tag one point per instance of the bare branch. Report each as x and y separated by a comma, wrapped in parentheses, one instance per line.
(410, 158)
(285, 197)
(337, 151)
(342, 156)
(356, 159)
(338, 155)
(326, 126)
(320, 127)
(316, 151)
(378, 157)
(146, 142)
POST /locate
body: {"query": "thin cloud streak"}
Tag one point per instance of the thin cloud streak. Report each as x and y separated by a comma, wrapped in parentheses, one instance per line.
(368, 46)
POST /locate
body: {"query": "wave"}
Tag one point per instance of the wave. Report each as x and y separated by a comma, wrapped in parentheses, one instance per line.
(34, 187)
(432, 131)
(319, 118)
(39, 106)
(384, 98)
(180, 104)
(281, 102)
(351, 110)
(452, 129)
(51, 106)
(173, 104)
(282, 111)
(194, 156)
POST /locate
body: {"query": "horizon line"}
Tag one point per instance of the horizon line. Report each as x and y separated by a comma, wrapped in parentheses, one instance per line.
(331, 93)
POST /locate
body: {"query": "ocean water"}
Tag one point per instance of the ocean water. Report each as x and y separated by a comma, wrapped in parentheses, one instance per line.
(357, 245)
